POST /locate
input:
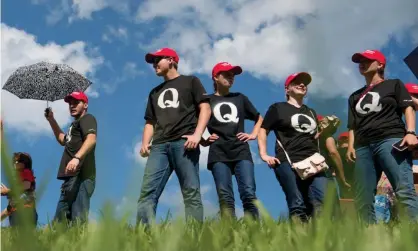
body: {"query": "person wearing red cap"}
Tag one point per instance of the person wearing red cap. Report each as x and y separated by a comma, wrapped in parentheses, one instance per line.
(296, 128)
(176, 116)
(26, 178)
(77, 169)
(375, 124)
(229, 151)
(413, 91)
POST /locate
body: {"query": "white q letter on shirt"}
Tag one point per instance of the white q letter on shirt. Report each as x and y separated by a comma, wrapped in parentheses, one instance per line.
(169, 103)
(375, 106)
(305, 128)
(68, 138)
(226, 118)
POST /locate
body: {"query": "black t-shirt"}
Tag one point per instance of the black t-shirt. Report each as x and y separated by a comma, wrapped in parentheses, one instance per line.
(295, 128)
(74, 139)
(173, 106)
(227, 120)
(378, 115)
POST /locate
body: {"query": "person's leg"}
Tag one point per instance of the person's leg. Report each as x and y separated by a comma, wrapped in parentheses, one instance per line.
(81, 206)
(69, 190)
(317, 186)
(156, 174)
(288, 181)
(222, 176)
(397, 165)
(244, 173)
(365, 183)
(186, 165)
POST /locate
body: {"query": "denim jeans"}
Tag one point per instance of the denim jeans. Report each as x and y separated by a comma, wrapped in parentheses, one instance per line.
(74, 202)
(371, 161)
(163, 160)
(244, 173)
(305, 198)
(17, 219)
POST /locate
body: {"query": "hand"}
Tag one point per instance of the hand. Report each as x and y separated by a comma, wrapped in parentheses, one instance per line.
(410, 140)
(351, 154)
(72, 166)
(192, 141)
(346, 184)
(145, 150)
(271, 161)
(49, 115)
(4, 190)
(246, 137)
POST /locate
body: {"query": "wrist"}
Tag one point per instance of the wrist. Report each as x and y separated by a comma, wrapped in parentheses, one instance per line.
(77, 157)
(412, 132)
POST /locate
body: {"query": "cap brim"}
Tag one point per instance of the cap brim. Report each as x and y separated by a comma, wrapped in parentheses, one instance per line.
(304, 77)
(69, 97)
(357, 57)
(236, 70)
(149, 58)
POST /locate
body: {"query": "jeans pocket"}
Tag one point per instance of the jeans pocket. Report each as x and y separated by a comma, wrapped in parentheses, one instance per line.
(70, 188)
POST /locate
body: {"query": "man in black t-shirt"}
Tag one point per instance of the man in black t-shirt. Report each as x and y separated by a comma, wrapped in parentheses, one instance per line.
(375, 124)
(77, 168)
(176, 116)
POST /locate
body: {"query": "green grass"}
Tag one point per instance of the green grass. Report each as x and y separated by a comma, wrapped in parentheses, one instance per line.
(112, 233)
(115, 233)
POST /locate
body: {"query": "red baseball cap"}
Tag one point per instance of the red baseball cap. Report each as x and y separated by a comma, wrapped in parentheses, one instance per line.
(77, 96)
(319, 117)
(412, 88)
(225, 66)
(343, 135)
(302, 76)
(163, 52)
(369, 54)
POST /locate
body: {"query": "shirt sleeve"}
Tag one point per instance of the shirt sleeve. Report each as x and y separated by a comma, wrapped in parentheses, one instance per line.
(251, 112)
(403, 98)
(88, 125)
(199, 92)
(149, 111)
(270, 121)
(27, 175)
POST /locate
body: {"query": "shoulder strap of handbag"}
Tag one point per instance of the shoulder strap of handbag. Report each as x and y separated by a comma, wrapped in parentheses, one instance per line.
(280, 144)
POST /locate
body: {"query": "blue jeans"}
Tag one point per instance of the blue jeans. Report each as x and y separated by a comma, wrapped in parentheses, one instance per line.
(371, 161)
(244, 173)
(74, 202)
(163, 160)
(305, 198)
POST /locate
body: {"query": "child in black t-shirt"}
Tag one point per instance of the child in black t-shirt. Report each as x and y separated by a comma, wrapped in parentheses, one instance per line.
(295, 126)
(375, 124)
(229, 152)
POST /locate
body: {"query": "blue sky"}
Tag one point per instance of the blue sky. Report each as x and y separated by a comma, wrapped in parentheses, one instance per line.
(107, 39)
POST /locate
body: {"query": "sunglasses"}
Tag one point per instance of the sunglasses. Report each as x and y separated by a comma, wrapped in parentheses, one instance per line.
(158, 59)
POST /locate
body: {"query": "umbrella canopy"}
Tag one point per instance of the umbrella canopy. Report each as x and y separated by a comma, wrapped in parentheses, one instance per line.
(45, 81)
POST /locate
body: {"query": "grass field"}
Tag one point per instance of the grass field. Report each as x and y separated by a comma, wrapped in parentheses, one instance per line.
(110, 233)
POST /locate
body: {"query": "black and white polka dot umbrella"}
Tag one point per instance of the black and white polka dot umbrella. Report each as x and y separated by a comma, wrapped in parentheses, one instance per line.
(45, 81)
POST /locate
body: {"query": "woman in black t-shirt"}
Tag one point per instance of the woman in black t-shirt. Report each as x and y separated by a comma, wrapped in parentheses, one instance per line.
(229, 152)
(295, 126)
(375, 124)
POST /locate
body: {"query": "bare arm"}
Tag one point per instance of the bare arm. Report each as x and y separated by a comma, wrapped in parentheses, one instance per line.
(204, 116)
(257, 126)
(88, 144)
(148, 132)
(410, 118)
(351, 139)
(335, 155)
(59, 134)
(262, 142)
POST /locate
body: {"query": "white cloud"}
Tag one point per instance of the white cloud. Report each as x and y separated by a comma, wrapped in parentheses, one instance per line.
(20, 48)
(112, 33)
(82, 9)
(274, 38)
